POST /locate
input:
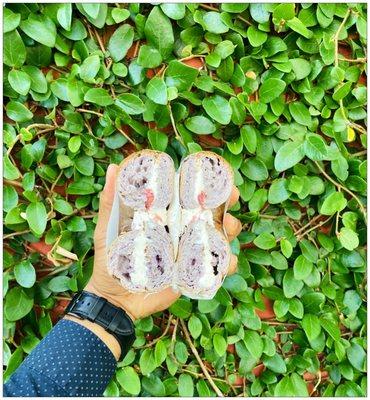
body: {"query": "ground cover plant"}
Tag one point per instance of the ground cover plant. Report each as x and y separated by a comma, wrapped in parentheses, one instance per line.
(280, 91)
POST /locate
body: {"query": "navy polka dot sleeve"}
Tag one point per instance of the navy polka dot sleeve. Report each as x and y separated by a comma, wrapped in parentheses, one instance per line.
(70, 361)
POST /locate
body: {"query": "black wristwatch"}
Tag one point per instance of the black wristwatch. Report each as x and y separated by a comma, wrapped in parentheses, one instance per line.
(86, 305)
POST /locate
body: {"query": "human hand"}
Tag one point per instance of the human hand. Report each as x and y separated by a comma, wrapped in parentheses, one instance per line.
(137, 305)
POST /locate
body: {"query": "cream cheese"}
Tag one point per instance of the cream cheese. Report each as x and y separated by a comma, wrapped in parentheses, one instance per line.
(158, 215)
(207, 280)
(174, 215)
(139, 276)
(198, 180)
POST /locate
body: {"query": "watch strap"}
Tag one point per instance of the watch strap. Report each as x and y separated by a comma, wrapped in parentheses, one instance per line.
(113, 319)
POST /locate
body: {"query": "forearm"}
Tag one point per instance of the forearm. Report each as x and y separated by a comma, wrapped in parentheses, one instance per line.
(109, 340)
(72, 360)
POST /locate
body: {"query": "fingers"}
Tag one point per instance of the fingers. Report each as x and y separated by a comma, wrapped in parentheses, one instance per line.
(234, 197)
(233, 264)
(232, 226)
(106, 200)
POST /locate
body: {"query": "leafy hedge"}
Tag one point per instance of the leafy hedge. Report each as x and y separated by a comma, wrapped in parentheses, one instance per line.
(280, 91)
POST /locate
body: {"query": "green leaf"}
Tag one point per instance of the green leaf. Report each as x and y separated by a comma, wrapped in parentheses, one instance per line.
(149, 57)
(271, 89)
(311, 326)
(357, 356)
(11, 20)
(147, 362)
(331, 328)
(254, 169)
(275, 363)
(352, 301)
(249, 136)
(82, 186)
(63, 207)
(160, 352)
(91, 9)
(25, 274)
(213, 23)
(129, 380)
(89, 68)
(111, 390)
(186, 386)
(302, 267)
(181, 308)
(40, 28)
(219, 344)
(156, 90)
(174, 11)
(17, 304)
(14, 49)
(120, 14)
(64, 15)
(195, 326)
(98, 96)
(265, 241)
(278, 192)
(159, 33)
(19, 81)
(301, 68)
(256, 37)
(218, 108)
(298, 26)
(11, 172)
(181, 352)
(259, 12)
(300, 113)
(18, 112)
(254, 343)
(315, 147)
(10, 198)
(291, 286)
(36, 217)
(59, 284)
(154, 386)
(13, 363)
(291, 386)
(158, 140)
(120, 42)
(290, 154)
(39, 83)
(348, 238)
(335, 202)
(200, 125)
(180, 75)
(285, 11)
(130, 103)
(224, 49)
(84, 164)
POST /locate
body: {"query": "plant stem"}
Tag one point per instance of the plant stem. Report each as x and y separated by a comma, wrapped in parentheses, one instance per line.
(197, 356)
(159, 337)
(89, 111)
(127, 137)
(299, 237)
(336, 60)
(178, 137)
(338, 185)
(10, 235)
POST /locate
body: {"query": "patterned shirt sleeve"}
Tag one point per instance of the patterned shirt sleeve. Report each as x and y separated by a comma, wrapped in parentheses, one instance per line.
(70, 361)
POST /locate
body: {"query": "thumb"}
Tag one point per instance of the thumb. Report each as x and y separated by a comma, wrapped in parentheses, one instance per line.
(106, 202)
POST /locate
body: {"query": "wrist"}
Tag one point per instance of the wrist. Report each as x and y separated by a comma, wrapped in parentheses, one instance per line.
(91, 287)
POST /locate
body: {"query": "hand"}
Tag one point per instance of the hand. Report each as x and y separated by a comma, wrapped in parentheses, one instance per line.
(137, 305)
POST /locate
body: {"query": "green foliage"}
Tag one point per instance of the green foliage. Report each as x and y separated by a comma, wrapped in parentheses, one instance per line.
(280, 91)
